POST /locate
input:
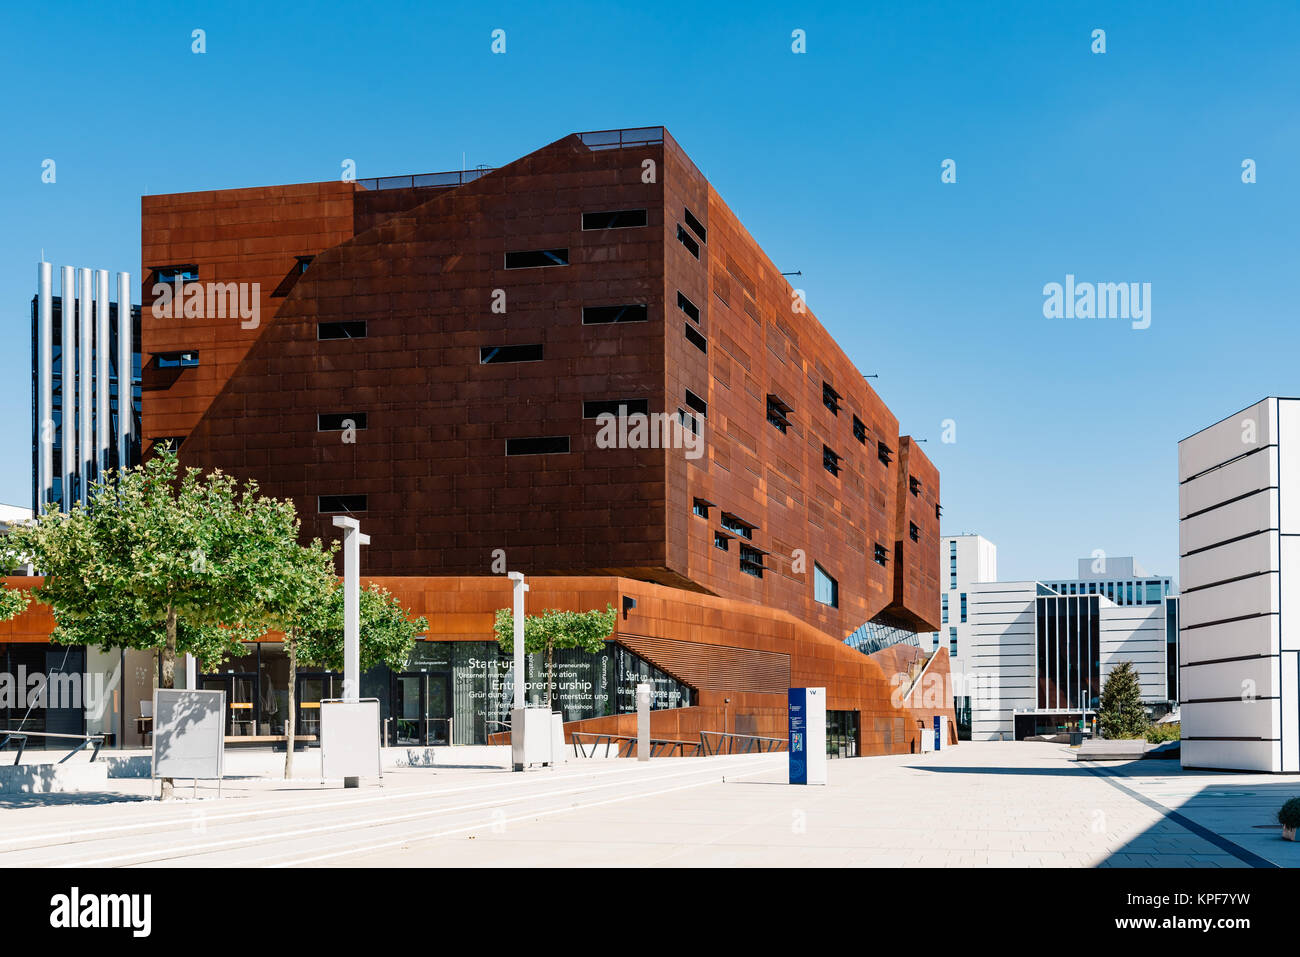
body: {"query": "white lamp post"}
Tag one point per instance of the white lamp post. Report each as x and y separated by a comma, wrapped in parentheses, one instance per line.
(352, 542)
(517, 716)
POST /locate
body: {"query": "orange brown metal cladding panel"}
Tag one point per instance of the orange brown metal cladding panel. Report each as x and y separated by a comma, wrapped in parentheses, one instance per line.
(722, 337)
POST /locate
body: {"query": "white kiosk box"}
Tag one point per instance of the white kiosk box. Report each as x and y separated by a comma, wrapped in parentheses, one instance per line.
(807, 712)
(349, 738)
(189, 729)
(535, 744)
(940, 731)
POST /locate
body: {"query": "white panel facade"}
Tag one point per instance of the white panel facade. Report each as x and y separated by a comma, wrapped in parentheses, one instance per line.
(1002, 656)
(1223, 441)
(1240, 489)
(1257, 553)
(1251, 473)
(1255, 513)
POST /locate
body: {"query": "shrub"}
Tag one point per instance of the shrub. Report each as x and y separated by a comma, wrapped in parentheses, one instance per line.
(1160, 733)
(1288, 815)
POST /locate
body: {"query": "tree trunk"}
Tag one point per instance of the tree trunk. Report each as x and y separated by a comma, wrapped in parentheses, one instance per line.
(168, 679)
(290, 647)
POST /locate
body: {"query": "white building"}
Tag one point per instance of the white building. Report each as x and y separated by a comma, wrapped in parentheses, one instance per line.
(1239, 542)
(969, 559)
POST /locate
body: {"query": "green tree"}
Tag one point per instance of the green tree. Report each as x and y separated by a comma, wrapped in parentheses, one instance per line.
(388, 634)
(308, 583)
(583, 630)
(1122, 714)
(161, 559)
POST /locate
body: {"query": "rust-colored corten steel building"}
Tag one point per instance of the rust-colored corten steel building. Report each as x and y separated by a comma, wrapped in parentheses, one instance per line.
(432, 354)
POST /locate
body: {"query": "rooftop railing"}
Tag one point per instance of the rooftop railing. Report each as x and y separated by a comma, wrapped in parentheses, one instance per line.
(424, 180)
(622, 139)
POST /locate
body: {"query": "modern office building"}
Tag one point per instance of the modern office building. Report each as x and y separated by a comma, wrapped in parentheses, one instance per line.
(964, 560)
(1040, 651)
(579, 366)
(1239, 542)
(77, 354)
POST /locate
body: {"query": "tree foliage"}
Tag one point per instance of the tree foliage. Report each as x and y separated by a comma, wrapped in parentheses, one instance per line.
(12, 602)
(388, 633)
(552, 629)
(160, 559)
(1122, 714)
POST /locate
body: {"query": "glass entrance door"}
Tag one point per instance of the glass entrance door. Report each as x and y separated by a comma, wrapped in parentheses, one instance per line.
(241, 701)
(312, 689)
(408, 708)
(438, 707)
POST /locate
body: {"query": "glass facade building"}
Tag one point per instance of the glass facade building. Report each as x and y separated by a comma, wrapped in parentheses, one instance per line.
(58, 392)
(447, 692)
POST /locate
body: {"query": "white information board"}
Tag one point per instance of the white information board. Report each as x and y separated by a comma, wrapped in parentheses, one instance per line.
(189, 728)
(349, 738)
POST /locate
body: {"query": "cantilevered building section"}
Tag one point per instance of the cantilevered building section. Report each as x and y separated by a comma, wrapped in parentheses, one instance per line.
(1239, 538)
(440, 356)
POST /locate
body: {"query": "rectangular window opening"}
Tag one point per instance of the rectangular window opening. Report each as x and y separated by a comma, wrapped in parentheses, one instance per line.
(340, 503)
(534, 258)
(544, 445)
(489, 355)
(599, 315)
(341, 330)
(696, 226)
(616, 407)
(614, 219)
(685, 305)
(339, 421)
(685, 239)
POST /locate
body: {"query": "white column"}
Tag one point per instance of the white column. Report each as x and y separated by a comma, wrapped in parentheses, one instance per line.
(519, 588)
(85, 376)
(643, 722)
(103, 419)
(68, 384)
(45, 383)
(125, 400)
(352, 542)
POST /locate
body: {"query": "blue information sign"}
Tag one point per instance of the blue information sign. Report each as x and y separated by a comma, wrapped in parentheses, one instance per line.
(798, 735)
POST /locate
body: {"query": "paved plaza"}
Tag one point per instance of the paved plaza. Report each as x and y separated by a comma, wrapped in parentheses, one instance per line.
(980, 804)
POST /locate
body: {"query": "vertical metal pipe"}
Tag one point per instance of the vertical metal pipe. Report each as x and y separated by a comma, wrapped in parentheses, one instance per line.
(68, 386)
(44, 383)
(85, 349)
(103, 420)
(125, 371)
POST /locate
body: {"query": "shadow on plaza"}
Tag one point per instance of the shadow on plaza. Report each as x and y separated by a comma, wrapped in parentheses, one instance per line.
(67, 799)
(1247, 810)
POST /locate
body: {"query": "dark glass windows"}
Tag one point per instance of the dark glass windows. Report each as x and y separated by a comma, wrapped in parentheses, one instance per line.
(826, 589)
(340, 503)
(598, 315)
(533, 258)
(614, 219)
(539, 446)
(617, 407)
(341, 330)
(488, 355)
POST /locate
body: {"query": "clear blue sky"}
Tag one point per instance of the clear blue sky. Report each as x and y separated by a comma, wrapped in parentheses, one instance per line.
(1124, 166)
